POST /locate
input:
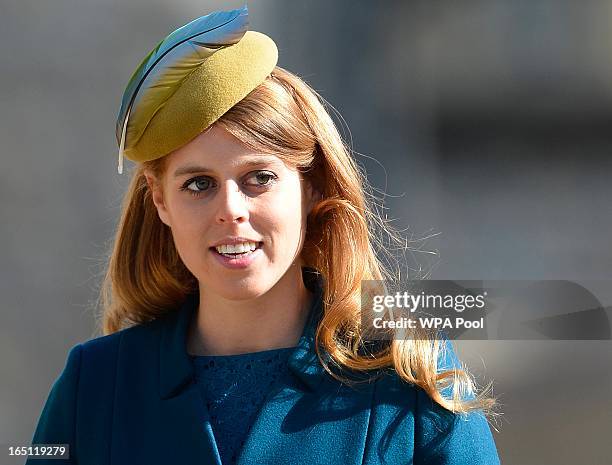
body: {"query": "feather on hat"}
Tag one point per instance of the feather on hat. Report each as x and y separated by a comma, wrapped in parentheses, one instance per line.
(188, 81)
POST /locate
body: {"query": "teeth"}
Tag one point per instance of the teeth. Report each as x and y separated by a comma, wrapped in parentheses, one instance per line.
(237, 248)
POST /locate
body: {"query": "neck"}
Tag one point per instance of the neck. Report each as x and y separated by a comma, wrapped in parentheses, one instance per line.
(272, 320)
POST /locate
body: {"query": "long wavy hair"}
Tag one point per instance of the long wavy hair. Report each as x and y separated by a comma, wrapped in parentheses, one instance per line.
(145, 277)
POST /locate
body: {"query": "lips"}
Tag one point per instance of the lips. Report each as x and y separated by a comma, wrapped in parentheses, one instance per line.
(259, 246)
(232, 240)
(238, 261)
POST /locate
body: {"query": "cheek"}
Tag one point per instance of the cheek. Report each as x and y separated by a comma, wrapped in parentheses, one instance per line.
(188, 224)
(289, 212)
(186, 218)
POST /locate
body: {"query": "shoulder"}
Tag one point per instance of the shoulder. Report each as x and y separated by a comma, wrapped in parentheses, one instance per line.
(96, 359)
(390, 386)
(440, 436)
(95, 368)
(103, 347)
(391, 389)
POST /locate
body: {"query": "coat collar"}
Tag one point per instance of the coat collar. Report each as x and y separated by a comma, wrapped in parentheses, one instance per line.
(175, 365)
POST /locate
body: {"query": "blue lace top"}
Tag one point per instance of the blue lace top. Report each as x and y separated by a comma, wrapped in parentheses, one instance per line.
(233, 388)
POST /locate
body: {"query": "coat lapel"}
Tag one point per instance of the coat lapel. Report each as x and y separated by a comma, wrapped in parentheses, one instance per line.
(307, 417)
(159, 415)
(181, 406)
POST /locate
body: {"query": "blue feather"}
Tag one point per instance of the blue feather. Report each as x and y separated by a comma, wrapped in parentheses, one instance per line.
(169, 63)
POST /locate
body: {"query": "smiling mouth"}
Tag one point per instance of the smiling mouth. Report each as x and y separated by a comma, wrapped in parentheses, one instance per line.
(237, 254)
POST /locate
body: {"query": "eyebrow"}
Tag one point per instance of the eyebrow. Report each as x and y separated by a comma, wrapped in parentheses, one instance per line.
(253, 161)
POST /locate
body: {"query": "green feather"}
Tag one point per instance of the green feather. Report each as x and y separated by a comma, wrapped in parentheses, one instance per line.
(163, 70)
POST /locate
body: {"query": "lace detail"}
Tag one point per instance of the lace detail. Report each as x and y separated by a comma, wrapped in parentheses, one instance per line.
(233, 388)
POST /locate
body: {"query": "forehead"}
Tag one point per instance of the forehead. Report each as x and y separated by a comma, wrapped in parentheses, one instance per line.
(213, 150)
(231, 162)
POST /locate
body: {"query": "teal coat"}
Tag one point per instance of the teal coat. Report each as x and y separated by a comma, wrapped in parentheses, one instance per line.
(130, 398)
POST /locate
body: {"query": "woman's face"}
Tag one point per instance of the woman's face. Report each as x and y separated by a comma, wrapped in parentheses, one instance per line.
(215, 190)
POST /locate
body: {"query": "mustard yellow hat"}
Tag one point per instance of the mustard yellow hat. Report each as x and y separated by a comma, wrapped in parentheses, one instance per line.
(188, 81)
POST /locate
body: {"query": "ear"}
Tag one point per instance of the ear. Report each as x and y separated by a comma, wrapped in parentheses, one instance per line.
(312, 195)
(157, 196)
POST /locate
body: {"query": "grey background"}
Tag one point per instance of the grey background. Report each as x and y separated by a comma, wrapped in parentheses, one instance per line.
(485, 121)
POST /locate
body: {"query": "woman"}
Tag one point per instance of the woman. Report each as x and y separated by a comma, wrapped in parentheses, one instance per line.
(232, 297)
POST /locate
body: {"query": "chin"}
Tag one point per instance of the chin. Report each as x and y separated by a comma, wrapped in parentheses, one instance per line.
(239, 289)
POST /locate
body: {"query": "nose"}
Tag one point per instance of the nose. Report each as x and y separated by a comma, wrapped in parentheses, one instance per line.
(232, 206)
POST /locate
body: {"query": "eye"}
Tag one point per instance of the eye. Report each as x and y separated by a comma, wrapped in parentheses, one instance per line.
(263, 178)
(200, 184)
